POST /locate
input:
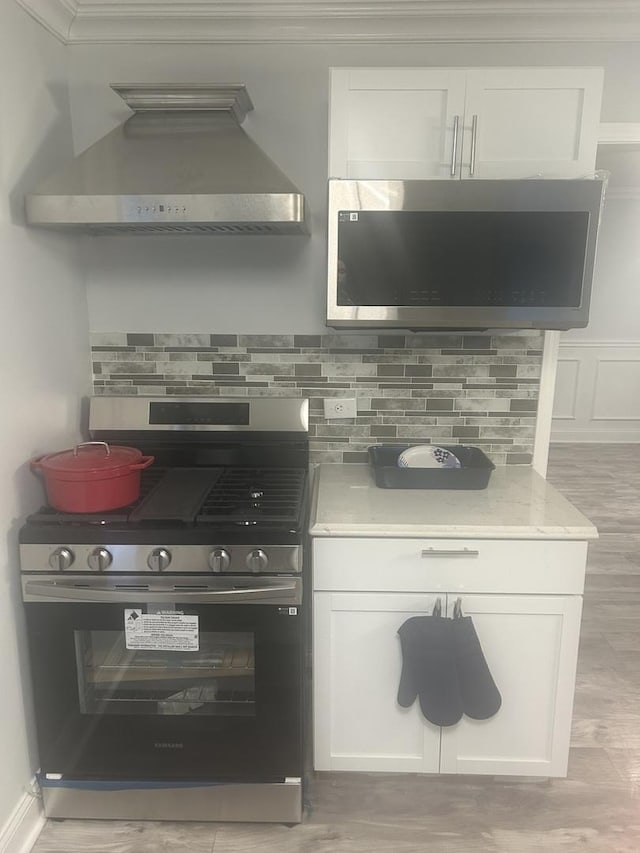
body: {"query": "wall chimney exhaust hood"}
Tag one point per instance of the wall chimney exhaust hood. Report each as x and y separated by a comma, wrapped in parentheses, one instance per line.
(180, 164)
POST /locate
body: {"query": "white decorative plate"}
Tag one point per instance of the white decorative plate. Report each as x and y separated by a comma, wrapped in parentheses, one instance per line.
(427, 456)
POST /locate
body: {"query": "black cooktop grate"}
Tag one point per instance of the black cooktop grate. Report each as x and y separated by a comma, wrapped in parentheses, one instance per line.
(255, 496)
(240, 496)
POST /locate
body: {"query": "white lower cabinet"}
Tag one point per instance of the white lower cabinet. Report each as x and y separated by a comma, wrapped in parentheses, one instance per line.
(530, 642)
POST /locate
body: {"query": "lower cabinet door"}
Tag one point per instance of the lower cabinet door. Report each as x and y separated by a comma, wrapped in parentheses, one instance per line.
(358, 724)
(530, 644)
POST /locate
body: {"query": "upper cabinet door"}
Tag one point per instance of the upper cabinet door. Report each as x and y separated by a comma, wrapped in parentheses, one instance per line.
(396, 123)
(531, 122)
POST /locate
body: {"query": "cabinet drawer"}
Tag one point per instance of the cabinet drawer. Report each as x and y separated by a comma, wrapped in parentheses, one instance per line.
(449, 565)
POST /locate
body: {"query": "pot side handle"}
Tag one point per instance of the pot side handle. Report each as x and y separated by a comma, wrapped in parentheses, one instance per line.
(36, 464)
(144, 463)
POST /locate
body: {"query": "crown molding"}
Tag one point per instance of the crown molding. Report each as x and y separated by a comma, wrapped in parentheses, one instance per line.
(623, 194)
(619, 133)
(581, 343)
(57, 16)
(355, 21)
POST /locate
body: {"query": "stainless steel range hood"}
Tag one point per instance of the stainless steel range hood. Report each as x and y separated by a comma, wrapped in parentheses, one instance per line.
(180, 164)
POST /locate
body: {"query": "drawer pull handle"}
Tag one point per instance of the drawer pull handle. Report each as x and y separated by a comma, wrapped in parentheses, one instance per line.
(442, 552)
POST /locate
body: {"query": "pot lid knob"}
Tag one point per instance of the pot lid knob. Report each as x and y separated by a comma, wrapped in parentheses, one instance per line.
(103, 444)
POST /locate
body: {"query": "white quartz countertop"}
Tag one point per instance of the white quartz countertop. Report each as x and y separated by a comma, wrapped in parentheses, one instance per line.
(517, 504)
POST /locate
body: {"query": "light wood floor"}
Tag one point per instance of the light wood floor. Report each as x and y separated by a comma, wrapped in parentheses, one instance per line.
(595, 810)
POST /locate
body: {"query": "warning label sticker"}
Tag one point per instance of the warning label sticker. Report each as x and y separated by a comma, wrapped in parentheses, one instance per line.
(165, 630)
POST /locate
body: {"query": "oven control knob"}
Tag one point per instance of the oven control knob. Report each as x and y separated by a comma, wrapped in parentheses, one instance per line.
(159, 559)
(219, 560)
(61, 559)
(99, 560)
(257, 560)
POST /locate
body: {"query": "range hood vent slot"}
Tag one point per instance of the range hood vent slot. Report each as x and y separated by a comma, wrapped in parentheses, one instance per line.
(98, 230)
(180, 164)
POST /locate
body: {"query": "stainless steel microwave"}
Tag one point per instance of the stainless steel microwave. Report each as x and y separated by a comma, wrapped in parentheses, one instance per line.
(462, 254)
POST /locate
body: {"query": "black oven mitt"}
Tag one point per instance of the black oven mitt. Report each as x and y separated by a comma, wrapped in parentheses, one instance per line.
(480, 697)
(429, 669)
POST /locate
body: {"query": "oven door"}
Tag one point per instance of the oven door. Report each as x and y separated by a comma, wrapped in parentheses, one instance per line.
(176, 678)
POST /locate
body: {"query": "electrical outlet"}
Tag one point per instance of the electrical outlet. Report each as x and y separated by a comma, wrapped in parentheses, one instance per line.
(340, 407)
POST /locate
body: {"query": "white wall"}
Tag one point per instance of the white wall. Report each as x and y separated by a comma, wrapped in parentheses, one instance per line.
(44, 360)
(269, 285)
(272, 285)
(616, 291)
(598, 378)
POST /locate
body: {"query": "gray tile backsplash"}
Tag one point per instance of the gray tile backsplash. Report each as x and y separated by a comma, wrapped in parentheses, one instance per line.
(451, 388)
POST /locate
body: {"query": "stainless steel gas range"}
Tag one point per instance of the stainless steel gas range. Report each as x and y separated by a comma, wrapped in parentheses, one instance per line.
(166, 637)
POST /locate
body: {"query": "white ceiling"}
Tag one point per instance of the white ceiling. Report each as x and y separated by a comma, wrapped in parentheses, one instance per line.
(211, 21)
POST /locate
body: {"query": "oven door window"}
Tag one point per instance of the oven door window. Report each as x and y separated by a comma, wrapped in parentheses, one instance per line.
(217, 679)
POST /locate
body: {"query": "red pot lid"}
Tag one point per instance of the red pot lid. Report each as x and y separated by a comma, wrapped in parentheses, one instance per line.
(92, 457)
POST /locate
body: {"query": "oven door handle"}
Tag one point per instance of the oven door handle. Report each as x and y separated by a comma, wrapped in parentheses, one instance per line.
(60, 591)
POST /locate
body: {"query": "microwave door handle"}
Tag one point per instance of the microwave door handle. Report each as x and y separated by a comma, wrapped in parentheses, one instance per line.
(454, 145)
(46, 589)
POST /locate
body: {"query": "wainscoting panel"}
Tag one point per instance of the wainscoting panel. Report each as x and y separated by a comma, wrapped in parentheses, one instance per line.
(597, 394)
(609, 403)
(567, 378)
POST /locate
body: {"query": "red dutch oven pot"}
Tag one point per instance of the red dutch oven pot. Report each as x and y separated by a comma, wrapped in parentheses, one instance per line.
(93, 477)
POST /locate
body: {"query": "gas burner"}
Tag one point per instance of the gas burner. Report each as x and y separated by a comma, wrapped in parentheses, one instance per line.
(255, 496)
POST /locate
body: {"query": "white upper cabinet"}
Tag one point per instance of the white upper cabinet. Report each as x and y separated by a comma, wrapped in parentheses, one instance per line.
(425, 123)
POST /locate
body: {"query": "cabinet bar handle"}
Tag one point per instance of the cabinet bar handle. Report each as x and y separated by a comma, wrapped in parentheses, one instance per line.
(444, 552)
(474, 137)
(454, 146)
